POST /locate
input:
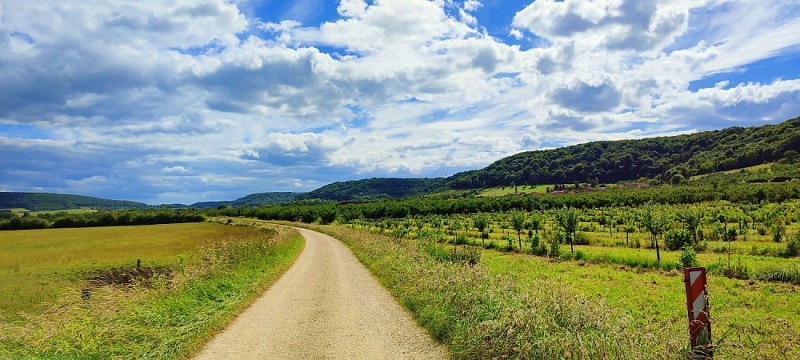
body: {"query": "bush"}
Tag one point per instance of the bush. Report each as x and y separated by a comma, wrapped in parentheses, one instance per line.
(778, 230)
(677, 239)
(581, 239)
(688, 256)
(461, 239)
(793, 246)
(555, 248)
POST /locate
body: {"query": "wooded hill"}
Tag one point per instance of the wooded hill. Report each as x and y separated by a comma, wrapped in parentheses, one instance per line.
(375, 189)
(48, 201)
(662, 158)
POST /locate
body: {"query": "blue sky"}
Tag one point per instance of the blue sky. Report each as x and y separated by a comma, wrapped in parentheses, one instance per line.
(185, 101)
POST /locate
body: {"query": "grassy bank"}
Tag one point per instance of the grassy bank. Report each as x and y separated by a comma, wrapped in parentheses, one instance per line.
(166, 316)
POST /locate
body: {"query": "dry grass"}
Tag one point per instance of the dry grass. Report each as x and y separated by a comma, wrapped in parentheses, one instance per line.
(38, 266)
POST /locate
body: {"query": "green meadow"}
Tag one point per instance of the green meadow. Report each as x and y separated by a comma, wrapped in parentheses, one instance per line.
(193, 279)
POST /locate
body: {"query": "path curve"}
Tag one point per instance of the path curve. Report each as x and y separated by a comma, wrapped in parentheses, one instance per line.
(326, 306)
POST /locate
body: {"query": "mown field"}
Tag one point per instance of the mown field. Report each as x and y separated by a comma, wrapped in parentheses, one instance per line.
(193, 278)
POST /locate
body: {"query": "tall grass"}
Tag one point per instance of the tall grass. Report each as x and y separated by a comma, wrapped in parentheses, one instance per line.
(481, 315)
(170, 318)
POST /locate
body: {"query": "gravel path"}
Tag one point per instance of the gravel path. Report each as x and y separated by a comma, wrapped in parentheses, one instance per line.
(326, 306)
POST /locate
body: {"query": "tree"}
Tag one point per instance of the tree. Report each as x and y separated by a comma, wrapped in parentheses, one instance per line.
(567, 220)
(628, 226)
(656, 223)
(691, 218)
(518, 223)
(480, 222)
(535, 223)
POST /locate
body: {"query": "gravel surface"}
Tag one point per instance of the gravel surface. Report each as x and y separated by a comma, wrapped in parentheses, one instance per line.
(326, 306)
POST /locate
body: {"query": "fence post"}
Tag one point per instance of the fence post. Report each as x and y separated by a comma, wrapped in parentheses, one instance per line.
(697, 309)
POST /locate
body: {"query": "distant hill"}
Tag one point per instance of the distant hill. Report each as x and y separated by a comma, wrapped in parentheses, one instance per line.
(266, 198)
(375, 188)
(208, 204)
(665, 158)
(258, 199)
(48, 201)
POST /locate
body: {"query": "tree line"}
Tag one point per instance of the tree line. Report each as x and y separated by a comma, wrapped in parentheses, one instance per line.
(14, 221)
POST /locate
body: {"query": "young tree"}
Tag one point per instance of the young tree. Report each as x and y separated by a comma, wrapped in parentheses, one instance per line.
(691, 219)
(535, 223)
(518, 223)
(656, 223)
(628, 226)
(567, 220)
(480, 222)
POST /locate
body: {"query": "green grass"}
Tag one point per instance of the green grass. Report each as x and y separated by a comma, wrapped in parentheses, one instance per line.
(68, 211)
(38, 266)
(767, 166)
(753, 319)
(521, 189)
(480, 314)
(169, 319)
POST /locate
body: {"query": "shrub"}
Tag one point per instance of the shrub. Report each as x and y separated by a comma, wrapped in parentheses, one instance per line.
(688, 256)
(555, 248)
(793, 246)
(461, 239)
(778, 230)
(677, 239)
(581, 239)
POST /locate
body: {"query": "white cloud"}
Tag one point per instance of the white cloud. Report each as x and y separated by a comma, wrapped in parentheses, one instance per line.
(174, 170)
(352, 8)
(194, 97)
(472, 5)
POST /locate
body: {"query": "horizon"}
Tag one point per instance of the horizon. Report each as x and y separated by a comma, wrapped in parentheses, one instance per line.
(213, 101)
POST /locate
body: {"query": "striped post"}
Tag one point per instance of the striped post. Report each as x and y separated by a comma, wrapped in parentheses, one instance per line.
(697, 305)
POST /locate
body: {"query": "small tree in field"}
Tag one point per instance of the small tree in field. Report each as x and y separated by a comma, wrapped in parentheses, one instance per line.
(518, 223)
(535, 223)
(567, 220)
(656, 223)
(691, 219)
(480, 222)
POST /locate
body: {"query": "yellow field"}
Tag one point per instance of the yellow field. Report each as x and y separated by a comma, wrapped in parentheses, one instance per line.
(37, 266)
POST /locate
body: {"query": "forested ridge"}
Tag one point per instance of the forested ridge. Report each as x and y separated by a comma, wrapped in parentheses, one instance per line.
(375, 188)
(659, 157)
(48, 201)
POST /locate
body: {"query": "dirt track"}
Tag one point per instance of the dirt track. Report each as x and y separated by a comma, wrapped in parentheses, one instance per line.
(327, 306)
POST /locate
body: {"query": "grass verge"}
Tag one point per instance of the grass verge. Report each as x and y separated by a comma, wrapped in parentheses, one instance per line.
(170, 317)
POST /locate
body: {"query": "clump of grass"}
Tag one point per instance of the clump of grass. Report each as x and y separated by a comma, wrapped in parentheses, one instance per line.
(481, 315)
(164, 320)
(791, 275)
(464, 255)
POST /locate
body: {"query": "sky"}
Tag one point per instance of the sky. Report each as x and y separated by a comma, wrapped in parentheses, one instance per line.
(181, 101)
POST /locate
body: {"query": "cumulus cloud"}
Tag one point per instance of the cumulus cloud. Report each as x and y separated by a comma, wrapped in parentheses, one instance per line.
(202, 100)
(588, 97)
(623, 25)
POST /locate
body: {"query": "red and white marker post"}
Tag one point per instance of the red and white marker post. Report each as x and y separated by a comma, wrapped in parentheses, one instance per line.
(697, 305)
